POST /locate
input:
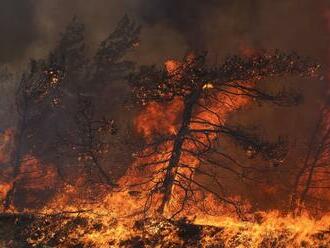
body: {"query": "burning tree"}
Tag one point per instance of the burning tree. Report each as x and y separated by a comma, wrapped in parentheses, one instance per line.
(171, 160)
(38, 93)
(56, 96)
(85, 136)
(88, 141)
(312, 183)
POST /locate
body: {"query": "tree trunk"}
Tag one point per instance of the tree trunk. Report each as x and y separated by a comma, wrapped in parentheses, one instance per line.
(173, 163)
(16, 160)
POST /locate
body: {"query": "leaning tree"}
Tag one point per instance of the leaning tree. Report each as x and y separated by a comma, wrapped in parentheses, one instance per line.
(49, 99)
(39, 97)
(312, 182)
(88, 142)
(39, 93)
(171, 161)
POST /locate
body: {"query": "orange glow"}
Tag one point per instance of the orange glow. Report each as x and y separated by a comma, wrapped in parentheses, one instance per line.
(118, 210)
(35, 175)
(159, 118)
(6, 145)
(172, 66)
(246, 50)
(164, 119)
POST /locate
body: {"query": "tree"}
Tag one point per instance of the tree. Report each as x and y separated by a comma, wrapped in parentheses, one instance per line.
(208, 93)
(87, 130)
(109, 63)
(55, 96)
(38, 93)
(41, 93)
(87, 141)
(312, 182)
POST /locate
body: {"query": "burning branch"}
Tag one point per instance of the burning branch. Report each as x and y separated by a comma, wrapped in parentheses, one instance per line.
(47, 97)
(312, 182)
(208, 96)
(39, 92)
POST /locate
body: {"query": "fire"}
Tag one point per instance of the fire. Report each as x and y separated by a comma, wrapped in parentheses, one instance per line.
(6, 145)
(173, 66)
(159, 118)
(208, 86)
(298, 231)
(35, 175)
(224, 107)
(114, 218)
(164, 119)
(4, 189)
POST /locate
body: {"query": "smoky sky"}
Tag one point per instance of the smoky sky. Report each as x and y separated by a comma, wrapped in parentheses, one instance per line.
(30, 28)
(185, 16)
(17, 27)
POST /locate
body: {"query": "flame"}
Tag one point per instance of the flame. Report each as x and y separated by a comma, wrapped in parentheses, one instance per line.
(296, 231)
(118, 211)
(225, 105)
(6, 145)
(208, 86)
(5, 187)
(159, 118)
(35, 175)
(163, 119)
(173, 66)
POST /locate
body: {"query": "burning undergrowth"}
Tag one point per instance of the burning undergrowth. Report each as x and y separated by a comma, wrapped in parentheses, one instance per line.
(89, 230)
(183, 188)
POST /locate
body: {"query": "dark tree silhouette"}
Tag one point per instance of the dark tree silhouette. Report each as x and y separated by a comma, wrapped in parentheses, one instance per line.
(312, 179)
(87, 142)
(201, 87)
(39, 92)
(52, 88)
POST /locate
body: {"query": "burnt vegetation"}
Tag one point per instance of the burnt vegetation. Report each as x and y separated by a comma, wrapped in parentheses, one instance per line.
(63, 122)
(208, 93)
(57, 100)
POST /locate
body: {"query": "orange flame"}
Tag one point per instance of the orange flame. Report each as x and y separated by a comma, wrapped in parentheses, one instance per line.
(159, 118)
(6, 145)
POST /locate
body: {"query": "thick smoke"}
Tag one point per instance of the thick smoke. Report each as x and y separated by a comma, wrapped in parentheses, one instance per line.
(17, 28)
(222, 27)
(31, 28)
(185, 16)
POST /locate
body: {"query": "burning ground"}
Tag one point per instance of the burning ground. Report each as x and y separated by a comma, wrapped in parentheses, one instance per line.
(100, 151)
(88, 230)
(162, 199)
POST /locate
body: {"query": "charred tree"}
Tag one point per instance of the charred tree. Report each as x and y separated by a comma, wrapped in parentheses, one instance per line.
(213, 91)
(87, 129)
(87, 141)
(49, 91)
(312, 178)
(41, 96)
(38, 93)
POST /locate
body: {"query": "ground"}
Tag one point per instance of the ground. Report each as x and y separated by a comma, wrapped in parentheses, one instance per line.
(82, 231)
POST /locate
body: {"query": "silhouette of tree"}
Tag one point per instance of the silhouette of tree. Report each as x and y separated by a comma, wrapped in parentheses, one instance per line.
(173, 160)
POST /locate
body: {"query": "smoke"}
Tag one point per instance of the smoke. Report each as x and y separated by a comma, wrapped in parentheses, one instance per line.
(17, 28)
(185, 16)
(31, 28)
(222, 27)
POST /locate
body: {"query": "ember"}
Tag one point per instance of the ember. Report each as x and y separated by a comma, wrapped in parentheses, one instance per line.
(103, 151)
